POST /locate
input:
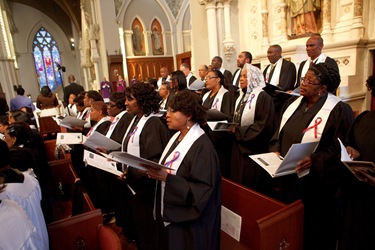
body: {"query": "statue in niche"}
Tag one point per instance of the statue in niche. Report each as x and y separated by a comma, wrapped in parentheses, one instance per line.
(137, 41)
(304, 15)
(156, 37)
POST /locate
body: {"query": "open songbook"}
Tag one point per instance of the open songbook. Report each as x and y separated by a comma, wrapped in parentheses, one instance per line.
(135, 162)
(221, 125)
(354, 166)
(278, 166)
(97, 140)
(70, 121)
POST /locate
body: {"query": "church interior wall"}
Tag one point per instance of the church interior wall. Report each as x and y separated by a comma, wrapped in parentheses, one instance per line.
(28, 20)
(199, 35)
(186, 27)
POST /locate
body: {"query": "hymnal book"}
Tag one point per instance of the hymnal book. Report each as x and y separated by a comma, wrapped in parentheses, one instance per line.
(69, 138)
(100, 162)
(134, 161)
(197, 85)
(97, 140)
(221, 125)
(216, 115)
(277, 166)
(70, 121)
(353, 166)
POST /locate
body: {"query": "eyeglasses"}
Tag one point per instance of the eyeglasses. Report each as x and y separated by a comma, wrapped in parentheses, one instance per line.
(308, 82)
(110, 105)
(210, 77)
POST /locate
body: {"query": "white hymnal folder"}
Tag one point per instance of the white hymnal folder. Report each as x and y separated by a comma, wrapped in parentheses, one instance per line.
(134, 161)
(278, 166)
(354, 166)
(70, 121)
(100, 162)
(221, 125)
(97, 140)
(69, 138)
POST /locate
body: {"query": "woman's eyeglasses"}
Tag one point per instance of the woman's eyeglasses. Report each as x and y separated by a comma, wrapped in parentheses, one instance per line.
(210, 77)
(308, 82)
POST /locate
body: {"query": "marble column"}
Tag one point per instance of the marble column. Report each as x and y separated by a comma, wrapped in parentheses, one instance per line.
(357, 28)
(211, 27)
(283, 9)
(148, 43)
(229, 47)
(264, 12)
(326, 22)
(220, 26)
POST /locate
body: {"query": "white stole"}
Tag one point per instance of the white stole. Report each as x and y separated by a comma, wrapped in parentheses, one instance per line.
(175, 159)
(218, 98)
(320, 59)
(318, 123)
(134, 136)
(114, 123)
(276, 73)
(236, 76)
(247, 117)
(104, 119)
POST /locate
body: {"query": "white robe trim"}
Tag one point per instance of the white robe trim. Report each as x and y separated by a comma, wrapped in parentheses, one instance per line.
(104, 119)
(114, 123)
(276, 73)
(218, 98)
(323, 114)
(320, 59)
(248, 113)
(177, 156)
(133, 145)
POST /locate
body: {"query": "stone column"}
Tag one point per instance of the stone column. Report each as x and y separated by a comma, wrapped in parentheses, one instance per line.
(357, 29)
(148, 42)
(264, 11)
(220, 26)
(211, 26)
(283, 10)
(326, 22)
(228, 42)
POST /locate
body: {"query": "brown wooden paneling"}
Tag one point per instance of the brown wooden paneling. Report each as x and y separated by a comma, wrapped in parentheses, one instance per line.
(183, 58)
(144, 68)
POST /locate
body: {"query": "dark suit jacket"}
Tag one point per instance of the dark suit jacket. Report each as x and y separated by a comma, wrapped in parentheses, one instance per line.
(227, 78)
(331, 62)
(191, 80)
(72, 88)
(287, 77)
(237, 83)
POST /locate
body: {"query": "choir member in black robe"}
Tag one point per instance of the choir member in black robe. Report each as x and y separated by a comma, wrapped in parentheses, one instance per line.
(95, 179)
(188, 197)
(359, 197)
(255, 115)
(219, 98)
(114, 188)
(319, 116)
(146, 137)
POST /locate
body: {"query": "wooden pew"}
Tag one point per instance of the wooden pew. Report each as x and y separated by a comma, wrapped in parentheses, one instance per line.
(266, 223)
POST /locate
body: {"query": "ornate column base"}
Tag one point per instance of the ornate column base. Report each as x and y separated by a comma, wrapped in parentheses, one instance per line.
(229, 48)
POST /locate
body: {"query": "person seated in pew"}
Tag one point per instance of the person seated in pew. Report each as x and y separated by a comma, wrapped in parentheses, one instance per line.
(146, 137)
(255, 116)
(23, 189)
(188, 197)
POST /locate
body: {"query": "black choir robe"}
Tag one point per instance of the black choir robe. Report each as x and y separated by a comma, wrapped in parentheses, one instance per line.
(359, 197)
(220, 139)
(192, 201)
(287, 80)
(95, 178)
(319, 189)
(252, 139)
(153, 139)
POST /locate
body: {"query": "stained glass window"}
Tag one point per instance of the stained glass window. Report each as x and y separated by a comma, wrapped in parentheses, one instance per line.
(47, 59)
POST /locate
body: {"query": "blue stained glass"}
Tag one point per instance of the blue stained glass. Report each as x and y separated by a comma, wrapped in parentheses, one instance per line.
(46, 55)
